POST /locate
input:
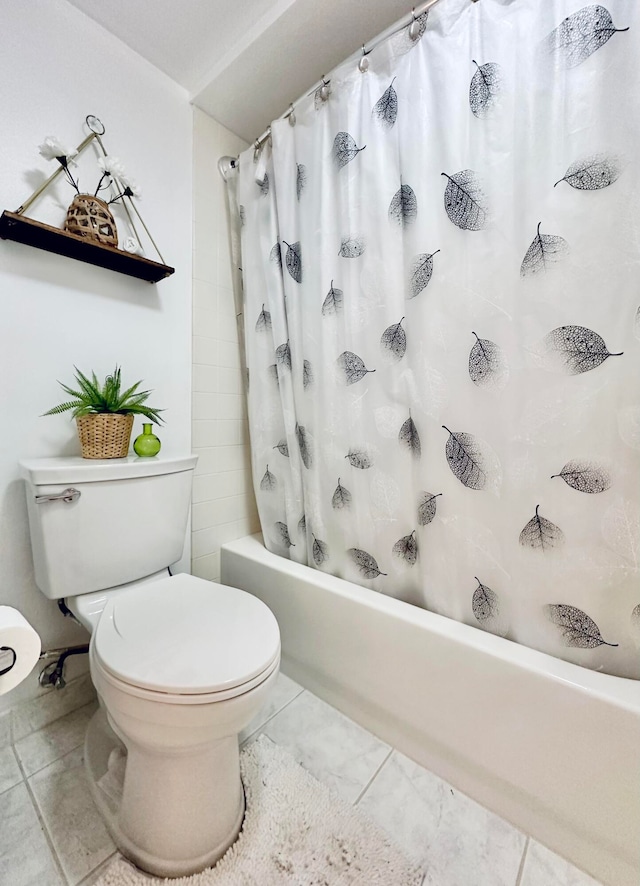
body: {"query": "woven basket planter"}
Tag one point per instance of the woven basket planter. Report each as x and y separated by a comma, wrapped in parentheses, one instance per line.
(105, 434)
(89, 217)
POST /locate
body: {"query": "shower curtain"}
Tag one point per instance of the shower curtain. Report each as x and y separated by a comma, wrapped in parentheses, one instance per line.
(440, 260)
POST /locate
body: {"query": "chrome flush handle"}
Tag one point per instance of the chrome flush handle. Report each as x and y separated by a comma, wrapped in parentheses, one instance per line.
(67, 495)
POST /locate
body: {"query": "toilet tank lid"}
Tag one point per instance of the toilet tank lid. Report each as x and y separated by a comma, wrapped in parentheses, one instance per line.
(61, 469)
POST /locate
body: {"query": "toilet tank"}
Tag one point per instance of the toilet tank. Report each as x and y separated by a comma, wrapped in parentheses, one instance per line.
(128, 521)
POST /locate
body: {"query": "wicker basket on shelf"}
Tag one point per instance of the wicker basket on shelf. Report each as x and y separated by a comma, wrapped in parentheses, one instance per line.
(105, 434)
(89, 217)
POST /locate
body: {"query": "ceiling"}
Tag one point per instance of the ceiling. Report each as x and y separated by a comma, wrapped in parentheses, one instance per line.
(244, 61)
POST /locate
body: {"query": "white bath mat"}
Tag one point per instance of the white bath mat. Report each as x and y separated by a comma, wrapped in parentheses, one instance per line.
(296, 832)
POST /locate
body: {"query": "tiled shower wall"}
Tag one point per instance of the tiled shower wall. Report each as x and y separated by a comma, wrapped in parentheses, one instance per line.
(223, 501)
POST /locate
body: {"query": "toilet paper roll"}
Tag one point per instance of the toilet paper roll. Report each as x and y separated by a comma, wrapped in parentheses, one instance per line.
(19, 648)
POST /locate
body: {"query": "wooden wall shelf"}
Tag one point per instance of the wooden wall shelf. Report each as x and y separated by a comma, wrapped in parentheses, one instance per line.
(34, 233)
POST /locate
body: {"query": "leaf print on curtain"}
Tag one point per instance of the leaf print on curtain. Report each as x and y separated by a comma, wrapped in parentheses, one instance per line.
(427, 507)
(466, 459)
(341, 497)
(484, 88)
(421, 272)
(464, 200)
(577, 349)
(441, 288)
(276, 255)
(320, 551)
(352, 247)
(406, 549)
(585, 476)
(333, 302)
(403, 209)
(393, 342)
(353, 367)
(409, 438)
(307, 374)
(293, 260)
(592, 173)
(283, 534)
(541, 534)
(269, 482)
(385, 109)
(488, 365)
(301, 179)
(484, 602)
(545, 250)
(283, 355)
(345, 149)
(577, 628)
(359, 458)
(263, 323)
(487, 610)
(367, 565)
(304, 444)
(580, 35)
(272, 372)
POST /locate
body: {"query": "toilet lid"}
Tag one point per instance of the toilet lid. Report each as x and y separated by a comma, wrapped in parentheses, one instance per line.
(185, 635)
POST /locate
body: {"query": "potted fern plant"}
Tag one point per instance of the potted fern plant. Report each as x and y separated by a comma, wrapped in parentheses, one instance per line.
(104, 413)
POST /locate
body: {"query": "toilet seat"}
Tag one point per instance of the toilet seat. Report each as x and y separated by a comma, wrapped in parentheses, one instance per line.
(184, 640)
(171, 698)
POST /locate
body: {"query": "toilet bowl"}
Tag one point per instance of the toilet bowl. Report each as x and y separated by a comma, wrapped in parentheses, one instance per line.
(181, 665)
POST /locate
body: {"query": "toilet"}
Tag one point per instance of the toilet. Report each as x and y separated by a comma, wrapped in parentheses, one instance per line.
(181, 665)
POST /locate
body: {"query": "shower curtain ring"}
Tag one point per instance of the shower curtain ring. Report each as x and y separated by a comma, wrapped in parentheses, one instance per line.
(256, 150)
(414, 27)
(291, 115)
(324, 89)
(363, 64)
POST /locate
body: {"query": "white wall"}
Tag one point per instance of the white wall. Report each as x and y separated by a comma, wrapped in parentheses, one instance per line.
(223, 501)
(57, 66)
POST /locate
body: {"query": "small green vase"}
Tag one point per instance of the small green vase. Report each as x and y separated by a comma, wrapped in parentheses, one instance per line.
(147, 444)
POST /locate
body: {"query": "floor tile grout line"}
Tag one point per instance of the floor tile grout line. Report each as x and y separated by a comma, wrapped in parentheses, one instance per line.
(103, 864)
(522, 861)
(55, 719)
(43, 826)
(22, 778)
(373, 777)
(275, 714)
(55, 759)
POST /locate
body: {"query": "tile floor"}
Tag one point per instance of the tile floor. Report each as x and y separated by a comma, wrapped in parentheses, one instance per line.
(51, 834)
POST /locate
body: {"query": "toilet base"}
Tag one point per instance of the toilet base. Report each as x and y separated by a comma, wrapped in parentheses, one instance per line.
(105, 762)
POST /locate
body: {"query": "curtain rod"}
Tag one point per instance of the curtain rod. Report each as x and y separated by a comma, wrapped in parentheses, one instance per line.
(227, 164)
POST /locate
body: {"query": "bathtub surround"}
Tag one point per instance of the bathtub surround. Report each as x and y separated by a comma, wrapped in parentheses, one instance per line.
(441, 290)
(57, 312)
(547, 745)
(58, 829)
(223, 499)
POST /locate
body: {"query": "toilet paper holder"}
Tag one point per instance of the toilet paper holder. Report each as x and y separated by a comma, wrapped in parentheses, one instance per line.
(67, 496)
(7, 659)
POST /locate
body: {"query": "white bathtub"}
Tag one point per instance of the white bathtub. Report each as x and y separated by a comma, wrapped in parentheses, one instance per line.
(552, 747)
